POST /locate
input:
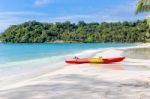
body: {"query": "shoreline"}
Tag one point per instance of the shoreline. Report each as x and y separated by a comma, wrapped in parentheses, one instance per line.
(95, 82)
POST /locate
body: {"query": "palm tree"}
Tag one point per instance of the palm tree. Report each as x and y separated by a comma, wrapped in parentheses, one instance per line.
(143, 6)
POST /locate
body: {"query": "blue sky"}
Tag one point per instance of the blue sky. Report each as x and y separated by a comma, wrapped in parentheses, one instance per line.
(18, 11)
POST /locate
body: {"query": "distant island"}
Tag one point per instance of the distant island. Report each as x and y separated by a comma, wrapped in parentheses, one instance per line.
(116, 32)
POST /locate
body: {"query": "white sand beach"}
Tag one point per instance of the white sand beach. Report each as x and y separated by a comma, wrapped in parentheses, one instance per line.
(126, 80)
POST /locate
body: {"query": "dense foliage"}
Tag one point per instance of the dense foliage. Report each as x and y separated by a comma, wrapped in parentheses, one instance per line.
(121, 32)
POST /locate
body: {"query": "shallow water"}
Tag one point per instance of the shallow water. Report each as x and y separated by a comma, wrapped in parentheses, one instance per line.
(30, 60)
(29, 51)
(137, 59)
(140, 53)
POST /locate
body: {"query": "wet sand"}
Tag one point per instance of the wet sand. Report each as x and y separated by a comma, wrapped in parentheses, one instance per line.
(88, 81)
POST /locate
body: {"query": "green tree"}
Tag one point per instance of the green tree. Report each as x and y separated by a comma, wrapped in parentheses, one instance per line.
(143, 6)
(37, 32)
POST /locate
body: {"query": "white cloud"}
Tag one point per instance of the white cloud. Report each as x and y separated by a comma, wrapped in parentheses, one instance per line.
(11, 18)
(6, 22)
(21, 13)
(41, 2)
(124, 12)
(117, 13)
(113, 14)
(72, 17)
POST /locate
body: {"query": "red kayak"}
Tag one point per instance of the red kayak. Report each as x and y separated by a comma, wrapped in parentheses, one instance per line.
(94, 60)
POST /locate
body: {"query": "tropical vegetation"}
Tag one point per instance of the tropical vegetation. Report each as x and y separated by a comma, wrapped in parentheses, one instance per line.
(143, 6)
(37, 32)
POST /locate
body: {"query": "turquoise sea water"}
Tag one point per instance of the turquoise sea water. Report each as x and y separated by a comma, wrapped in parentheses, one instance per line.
(21, 52)
(23, 59)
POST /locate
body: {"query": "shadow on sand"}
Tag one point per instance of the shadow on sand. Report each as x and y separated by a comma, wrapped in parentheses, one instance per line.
(78, 86)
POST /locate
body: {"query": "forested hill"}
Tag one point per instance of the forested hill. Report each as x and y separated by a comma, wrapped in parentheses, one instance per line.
(120, 32)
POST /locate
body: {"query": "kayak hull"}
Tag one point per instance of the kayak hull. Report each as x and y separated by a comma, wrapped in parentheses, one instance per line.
(94, 60)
